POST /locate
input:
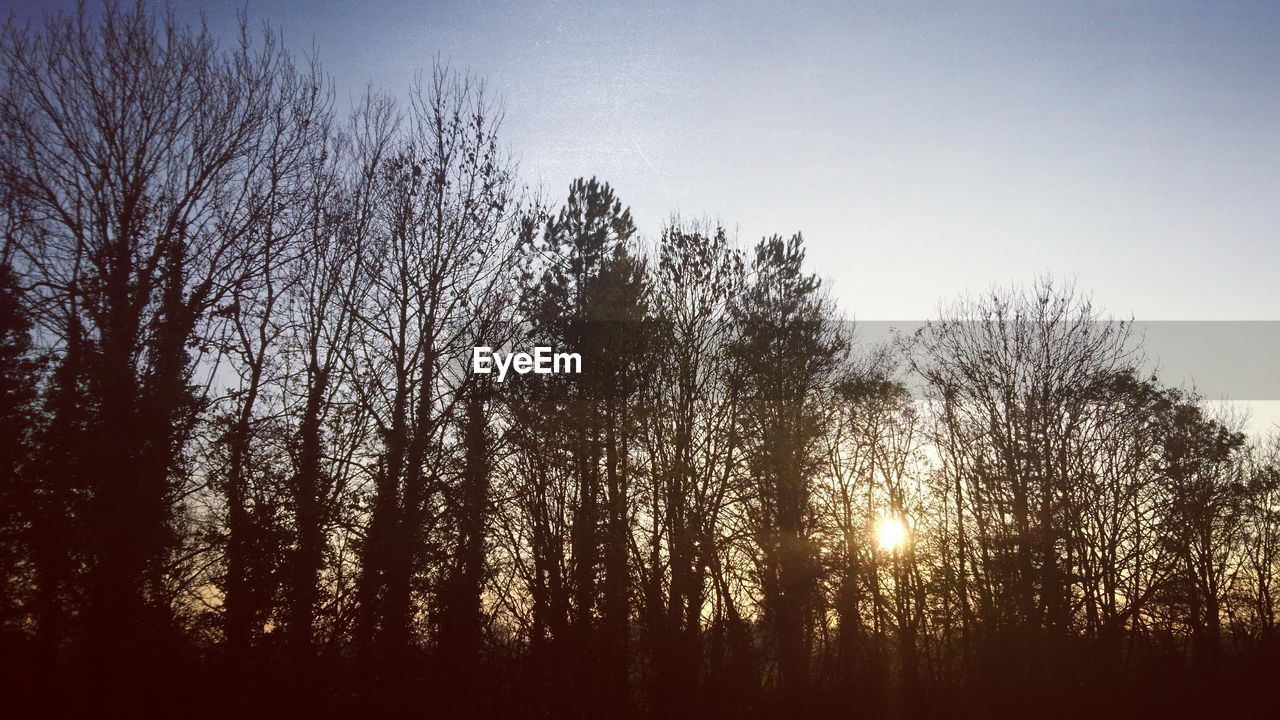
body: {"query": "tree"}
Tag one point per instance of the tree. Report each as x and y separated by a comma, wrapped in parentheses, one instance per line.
(443, 237)
(326, 427)
(690, 450)
(1206, 495)
(256, 325)
(19, 373)
(1010, 376)
(787, 350)
(140, 162)
(585, 291)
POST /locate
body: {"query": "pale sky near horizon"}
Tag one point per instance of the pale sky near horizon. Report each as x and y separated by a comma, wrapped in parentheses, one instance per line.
(923, 149)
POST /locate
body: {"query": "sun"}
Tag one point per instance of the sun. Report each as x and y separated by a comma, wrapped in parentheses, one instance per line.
(891, 533)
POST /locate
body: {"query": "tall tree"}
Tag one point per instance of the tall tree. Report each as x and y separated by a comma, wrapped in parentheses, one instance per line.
(139, 155)
(787, 349)
(327, 427)
(444, 234)
(690, 451)
(18, 425)
(585, 292)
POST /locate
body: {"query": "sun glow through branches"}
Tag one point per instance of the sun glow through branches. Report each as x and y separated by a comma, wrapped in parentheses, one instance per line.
(891, 533)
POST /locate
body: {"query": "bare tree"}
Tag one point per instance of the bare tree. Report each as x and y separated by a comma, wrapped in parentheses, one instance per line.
(444, 229)
(690, 453)
(1009, 376)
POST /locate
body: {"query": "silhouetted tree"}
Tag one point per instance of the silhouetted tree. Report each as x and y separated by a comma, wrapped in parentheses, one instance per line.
(443, 234)
(19, 492)
(787, 350)
(585, 292)
(140, 157)
(689, 451)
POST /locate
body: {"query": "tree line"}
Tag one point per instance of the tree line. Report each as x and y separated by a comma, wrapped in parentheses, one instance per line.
(246, 468)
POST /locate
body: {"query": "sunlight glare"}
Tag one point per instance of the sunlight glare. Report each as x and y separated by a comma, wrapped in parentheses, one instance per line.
(891, 533)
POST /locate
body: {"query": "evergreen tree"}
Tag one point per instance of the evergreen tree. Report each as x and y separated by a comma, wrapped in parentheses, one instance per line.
(786, 350)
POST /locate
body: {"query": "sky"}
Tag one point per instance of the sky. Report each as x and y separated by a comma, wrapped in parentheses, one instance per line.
(924, 149)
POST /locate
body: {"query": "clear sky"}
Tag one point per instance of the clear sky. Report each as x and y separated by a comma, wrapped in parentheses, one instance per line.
(923, 149)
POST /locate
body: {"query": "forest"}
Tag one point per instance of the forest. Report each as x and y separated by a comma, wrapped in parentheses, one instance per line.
(246, 471)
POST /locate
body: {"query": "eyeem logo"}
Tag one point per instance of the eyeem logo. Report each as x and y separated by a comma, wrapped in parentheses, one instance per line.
(541, 362)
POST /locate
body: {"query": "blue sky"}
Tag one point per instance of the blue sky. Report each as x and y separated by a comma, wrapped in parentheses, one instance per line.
(922, 148)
